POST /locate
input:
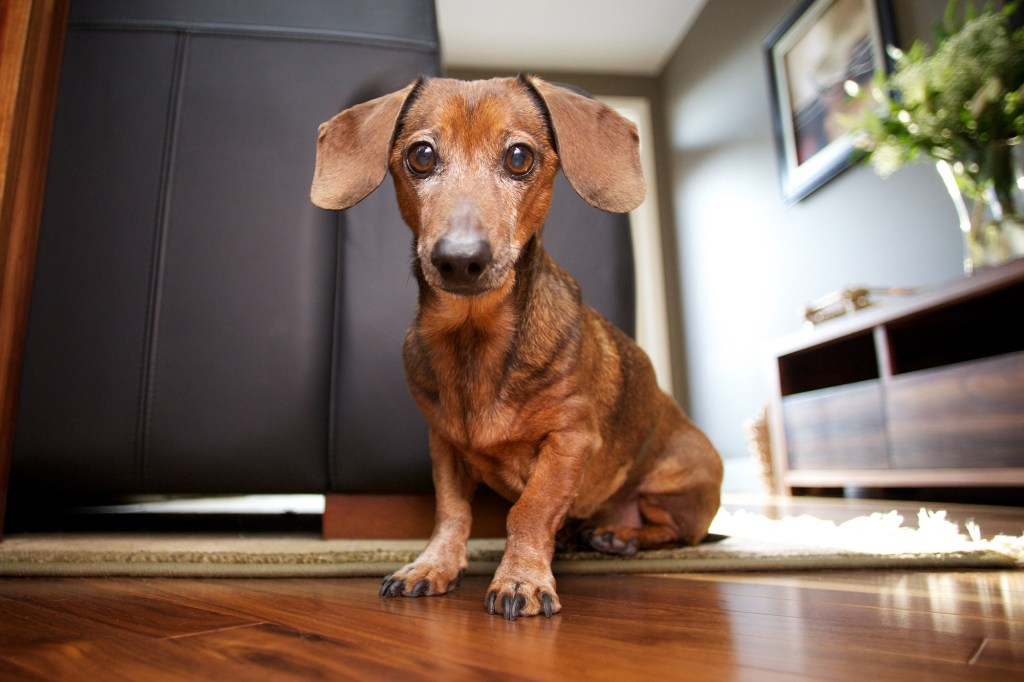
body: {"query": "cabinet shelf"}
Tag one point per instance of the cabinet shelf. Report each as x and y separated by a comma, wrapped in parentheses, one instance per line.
(835, 363)
(968, 330)
(908, 392)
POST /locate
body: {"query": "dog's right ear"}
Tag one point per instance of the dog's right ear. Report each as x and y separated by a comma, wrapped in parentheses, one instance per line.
(353, 150)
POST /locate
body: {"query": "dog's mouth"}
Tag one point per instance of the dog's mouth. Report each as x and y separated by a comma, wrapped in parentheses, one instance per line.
(463, 267)
(465, 290)
(487, 281)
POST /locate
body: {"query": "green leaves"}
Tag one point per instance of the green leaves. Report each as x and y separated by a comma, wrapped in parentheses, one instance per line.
(950, 102)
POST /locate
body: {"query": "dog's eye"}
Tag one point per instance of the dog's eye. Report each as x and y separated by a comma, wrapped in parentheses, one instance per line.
(421, 158)
(519, 159)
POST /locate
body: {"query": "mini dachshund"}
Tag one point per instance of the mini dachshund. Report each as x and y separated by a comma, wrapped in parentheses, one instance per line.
(525, 389)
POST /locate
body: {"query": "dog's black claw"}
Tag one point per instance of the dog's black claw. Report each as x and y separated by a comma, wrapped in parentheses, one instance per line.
(420, 588)
(491, 599)
(547, 604)
(510, 607)
(518, 604)
(392, 588)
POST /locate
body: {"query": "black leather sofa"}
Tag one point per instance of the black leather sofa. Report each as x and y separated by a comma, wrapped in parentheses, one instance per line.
(197, 325)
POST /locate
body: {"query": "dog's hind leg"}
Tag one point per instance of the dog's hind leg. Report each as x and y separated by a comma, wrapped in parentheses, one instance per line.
(673, 504)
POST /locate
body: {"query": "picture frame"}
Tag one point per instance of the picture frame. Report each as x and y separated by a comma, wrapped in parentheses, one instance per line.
(811, 54)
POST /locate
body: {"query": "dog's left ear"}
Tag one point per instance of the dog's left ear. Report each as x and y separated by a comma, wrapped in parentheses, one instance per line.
(598, 148)
(353, 148)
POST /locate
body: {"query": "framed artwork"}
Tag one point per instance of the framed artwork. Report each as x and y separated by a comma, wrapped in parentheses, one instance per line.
(816, 56)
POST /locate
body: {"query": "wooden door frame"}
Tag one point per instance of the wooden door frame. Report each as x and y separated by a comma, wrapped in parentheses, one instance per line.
(31, 44)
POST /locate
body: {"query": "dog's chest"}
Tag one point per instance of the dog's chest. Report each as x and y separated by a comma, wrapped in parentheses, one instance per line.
(470, 393)
(471, 408)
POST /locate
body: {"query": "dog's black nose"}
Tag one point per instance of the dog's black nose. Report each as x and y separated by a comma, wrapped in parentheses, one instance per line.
(461, 261)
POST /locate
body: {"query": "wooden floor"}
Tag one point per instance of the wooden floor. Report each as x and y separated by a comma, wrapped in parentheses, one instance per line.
(820, 626)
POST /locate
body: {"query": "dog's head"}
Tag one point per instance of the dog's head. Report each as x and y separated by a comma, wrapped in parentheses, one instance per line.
(473, 164)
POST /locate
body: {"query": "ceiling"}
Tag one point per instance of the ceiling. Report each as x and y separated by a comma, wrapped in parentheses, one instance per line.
(597, 36)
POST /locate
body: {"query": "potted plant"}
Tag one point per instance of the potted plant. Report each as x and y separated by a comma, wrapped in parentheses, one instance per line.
(960, 104)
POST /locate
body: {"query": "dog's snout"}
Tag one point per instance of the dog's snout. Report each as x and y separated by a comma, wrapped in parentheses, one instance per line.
(461, 261)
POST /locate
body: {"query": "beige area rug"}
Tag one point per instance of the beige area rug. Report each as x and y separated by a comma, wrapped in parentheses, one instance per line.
(753, 543)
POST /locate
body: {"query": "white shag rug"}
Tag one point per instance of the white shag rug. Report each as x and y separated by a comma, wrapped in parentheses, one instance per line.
(878, 533)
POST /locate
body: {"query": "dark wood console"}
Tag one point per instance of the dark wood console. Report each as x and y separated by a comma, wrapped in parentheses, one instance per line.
(916, 392)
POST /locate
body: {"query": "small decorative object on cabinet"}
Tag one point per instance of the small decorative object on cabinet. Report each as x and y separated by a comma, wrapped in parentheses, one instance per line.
(920, 392)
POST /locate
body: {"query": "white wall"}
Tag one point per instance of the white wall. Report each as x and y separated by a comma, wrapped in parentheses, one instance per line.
(746, 262)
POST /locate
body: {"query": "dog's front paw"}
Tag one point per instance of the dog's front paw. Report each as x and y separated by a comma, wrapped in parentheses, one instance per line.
(523, 595)
(420, 580)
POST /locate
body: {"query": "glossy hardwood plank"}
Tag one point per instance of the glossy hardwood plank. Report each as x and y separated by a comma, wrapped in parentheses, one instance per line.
(137, 613)
(129, 659)
(591, 639)
(819, 633)
(999, 654)
(615, 625)
(40, 642)
(26, 623)
(284, 652)
(618, 626)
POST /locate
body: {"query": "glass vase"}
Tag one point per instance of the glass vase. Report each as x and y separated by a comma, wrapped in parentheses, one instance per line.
(988, 194)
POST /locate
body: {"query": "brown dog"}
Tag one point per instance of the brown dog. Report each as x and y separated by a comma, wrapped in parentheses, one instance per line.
(525, 389)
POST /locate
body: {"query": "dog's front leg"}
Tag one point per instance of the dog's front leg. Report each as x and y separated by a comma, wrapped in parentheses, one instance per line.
(440, 565)
(523, 585)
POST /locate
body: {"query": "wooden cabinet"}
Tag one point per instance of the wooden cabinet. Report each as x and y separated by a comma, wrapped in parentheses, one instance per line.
(915, 392)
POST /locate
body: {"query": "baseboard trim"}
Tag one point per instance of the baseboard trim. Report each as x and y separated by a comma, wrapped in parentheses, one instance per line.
(403, 517)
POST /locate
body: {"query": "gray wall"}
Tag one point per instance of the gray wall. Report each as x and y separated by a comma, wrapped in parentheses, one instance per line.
(746, 262)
